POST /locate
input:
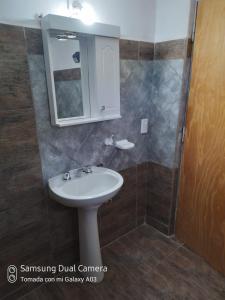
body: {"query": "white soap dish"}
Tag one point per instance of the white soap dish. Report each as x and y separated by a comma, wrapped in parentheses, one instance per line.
(124, 145)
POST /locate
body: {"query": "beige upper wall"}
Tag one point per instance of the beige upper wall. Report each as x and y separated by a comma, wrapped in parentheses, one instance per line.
(146, 20)
(135, 17)
(172, 19)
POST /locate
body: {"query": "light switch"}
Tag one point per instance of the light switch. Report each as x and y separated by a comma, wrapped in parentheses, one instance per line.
(144, 126)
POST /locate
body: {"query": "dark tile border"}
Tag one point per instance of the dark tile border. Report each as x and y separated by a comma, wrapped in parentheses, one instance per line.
(129, 49)
(146, 51)
(135, 50)
(128, 209)
(161, 198)
(175, 49)
(34, 41)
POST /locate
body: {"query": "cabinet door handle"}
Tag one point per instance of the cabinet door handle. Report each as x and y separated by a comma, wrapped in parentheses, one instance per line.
(103, 108)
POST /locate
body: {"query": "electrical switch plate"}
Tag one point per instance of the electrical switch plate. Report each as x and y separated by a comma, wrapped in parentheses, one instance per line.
(144, 126)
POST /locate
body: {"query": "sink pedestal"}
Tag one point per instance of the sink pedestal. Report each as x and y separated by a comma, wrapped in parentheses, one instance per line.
(87, 192)
(90, 253)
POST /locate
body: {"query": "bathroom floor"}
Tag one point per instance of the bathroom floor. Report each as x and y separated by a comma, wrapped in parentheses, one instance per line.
(144, 264)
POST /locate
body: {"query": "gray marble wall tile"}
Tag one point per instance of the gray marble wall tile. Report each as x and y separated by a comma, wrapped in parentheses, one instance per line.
(65, 148)
(164, 110)
(149, 89)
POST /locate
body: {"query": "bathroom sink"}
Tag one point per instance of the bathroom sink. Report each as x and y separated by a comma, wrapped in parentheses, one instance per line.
(91, 189)
(87, 189)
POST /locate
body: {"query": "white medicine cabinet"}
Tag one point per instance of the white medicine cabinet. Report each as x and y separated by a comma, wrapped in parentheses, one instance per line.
(82, 69)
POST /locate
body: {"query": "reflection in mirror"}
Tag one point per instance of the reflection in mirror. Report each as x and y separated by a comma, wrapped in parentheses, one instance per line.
(67, 72)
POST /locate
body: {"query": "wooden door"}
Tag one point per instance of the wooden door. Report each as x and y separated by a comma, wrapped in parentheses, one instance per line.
(201, 207)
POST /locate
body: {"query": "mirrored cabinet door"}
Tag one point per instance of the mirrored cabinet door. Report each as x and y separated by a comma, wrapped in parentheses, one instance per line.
(70, 73)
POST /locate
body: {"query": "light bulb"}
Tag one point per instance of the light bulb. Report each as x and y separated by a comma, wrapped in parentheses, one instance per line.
(83, 12)
(88, 15)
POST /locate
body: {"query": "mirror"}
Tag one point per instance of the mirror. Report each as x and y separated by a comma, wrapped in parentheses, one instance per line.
(68, 63)
(67, 78)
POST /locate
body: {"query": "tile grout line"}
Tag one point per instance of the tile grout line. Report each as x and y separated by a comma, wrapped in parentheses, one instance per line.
(167, 256)
(136, 195)
(109, 244)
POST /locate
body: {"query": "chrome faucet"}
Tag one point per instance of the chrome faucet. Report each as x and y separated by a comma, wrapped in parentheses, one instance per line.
(86, 170)
(67, 176)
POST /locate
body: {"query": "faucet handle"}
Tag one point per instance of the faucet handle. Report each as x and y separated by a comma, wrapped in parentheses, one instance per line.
(100, 165)
(87, 169)
(67, 176)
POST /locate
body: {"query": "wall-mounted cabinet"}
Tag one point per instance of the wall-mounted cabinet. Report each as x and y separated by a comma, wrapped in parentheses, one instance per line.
(82, 68)
(104, 78)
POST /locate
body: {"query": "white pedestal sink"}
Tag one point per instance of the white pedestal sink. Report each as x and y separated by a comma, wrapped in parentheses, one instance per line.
(87, 192)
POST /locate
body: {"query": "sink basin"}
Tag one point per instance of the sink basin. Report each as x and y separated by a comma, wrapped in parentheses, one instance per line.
(87, 192)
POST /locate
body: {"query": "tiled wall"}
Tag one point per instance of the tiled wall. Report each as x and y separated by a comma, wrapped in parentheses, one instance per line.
(35, 229)
(65, 148)
(23, 228)
(169, 97)
(161, 199)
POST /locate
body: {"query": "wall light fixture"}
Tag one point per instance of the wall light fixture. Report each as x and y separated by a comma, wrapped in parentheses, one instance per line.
(83, 11)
